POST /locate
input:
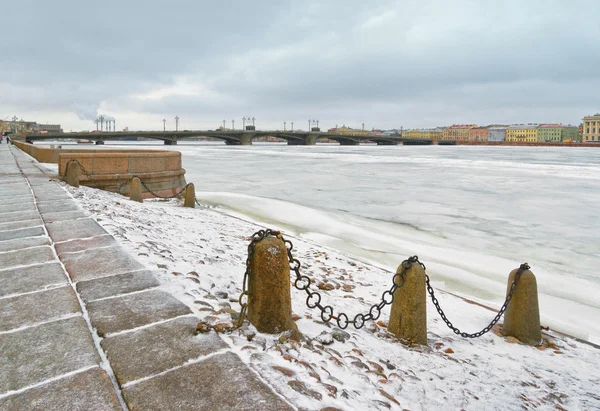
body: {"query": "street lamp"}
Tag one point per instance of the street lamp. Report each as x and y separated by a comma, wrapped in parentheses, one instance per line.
(284, 126)
(233, 124)
(244, 122)
(253, 121)
(224, 124)
(176, 123)
(164, 124)
(292, 126)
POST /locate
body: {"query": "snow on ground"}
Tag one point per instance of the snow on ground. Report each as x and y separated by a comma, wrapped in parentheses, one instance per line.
(199, 255)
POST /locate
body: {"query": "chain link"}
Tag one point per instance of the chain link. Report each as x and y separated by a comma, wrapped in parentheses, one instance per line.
(313, 299)
(456, 331)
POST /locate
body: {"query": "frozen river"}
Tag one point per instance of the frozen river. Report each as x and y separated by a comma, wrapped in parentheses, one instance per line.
(471, 214)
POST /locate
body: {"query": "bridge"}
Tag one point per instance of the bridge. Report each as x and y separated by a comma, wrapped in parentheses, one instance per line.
(231, 137)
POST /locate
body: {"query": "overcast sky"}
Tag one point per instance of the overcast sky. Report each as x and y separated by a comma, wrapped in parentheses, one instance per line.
(388, 64)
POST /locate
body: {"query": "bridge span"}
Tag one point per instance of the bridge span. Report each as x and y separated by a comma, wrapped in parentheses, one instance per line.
(231, 137)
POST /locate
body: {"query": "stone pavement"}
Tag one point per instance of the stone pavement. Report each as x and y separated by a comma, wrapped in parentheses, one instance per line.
(83, 325)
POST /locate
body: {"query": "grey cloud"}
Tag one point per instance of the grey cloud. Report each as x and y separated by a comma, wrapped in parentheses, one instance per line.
(416, 62)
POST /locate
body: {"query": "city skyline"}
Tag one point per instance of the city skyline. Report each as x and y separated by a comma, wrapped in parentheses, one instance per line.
(395, 64)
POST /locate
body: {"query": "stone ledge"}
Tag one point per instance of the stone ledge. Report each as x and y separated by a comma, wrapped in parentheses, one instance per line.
(134, 310)
(31, 278)
(30, 309)
(117, 284)
(88, 390)
(39, 353)
(99, 262)
(221, 382)
(158, 348)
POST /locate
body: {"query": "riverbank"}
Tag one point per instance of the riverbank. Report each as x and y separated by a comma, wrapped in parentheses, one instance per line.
(200, 255)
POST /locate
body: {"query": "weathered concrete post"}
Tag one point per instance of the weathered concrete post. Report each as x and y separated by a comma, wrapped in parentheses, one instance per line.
(522, 315)
(135, 190)
(73, 173)
(270, 303)
(408, 317)
(190, 196)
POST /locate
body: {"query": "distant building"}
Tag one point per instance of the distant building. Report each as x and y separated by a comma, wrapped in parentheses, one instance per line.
(497, 133)
(570, 134)
(522, 133)
(423, 133)
(18, 126)
(478, 134)
(348, 131)
(550, 133)
(591, 129)
(457, 132)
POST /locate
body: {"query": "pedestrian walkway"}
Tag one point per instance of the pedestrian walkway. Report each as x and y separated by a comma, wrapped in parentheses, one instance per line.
(83, 325)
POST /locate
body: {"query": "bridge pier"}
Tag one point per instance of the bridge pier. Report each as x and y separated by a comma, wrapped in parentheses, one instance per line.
(170, 142)
(246, 139)
(100, 142)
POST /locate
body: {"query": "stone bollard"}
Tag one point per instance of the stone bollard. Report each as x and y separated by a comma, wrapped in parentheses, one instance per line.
(135, 190)
(190, 196)
(270, 303)
(522, 315)
(73, 173)
(408, 317)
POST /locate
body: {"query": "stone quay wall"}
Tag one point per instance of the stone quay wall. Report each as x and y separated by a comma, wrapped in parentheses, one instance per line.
(111, 170)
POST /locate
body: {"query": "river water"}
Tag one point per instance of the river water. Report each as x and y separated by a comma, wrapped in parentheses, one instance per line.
(471, 214)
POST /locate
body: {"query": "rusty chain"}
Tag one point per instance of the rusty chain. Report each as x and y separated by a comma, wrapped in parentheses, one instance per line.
(313, 299)
(456, 331)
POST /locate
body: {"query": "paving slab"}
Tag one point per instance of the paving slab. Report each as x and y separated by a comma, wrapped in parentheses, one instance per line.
(52, 193)
(99, 262)
(24, 199)
(152, 350)
(29, 256)
(21, 243)
(21, 233)
(22, 206)
(31, 278)
(116, 285)
(72, 229)
(73, 246)
(221, 379)
(88, 390)
(134, 310)
(29, 309)
(36, 354)
(64, 215)
(20, 224)
(19, 216)
(55, 206)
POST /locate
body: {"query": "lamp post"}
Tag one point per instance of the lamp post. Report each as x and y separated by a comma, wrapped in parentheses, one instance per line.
(96, 121)
(164, 124)
(292, 126)
(284, 126)
(233, 124)
(176, 123)
(224, 124)
(253, 121)
(101, 123)
(244, 122)
(309, 125)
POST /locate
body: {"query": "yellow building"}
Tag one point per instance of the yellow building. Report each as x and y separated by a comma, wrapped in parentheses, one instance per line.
(423, 134)
(591, 129)
(348, 131)
(524, 133)
(4, 127)
(457, 132)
